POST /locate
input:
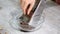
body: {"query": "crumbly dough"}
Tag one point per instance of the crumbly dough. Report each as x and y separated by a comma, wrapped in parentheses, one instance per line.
(1, 27)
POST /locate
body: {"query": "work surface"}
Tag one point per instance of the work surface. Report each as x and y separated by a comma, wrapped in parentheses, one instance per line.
(51, 24)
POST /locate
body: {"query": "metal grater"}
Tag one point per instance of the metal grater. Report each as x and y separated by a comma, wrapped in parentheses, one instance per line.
(31, 22)
(26, 18)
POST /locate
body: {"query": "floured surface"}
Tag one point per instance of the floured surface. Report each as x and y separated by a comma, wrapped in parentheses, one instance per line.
(50, 26)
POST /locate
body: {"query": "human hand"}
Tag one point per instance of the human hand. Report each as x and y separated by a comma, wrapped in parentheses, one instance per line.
(27, 5)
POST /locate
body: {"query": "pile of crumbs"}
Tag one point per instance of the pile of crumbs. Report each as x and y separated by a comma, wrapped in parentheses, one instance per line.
(2, 30)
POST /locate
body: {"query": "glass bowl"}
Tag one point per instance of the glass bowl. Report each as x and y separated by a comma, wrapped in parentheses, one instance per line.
(35, 22)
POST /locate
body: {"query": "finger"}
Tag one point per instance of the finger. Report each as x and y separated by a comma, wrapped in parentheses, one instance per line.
(25, 8)
(22, 3)
(29, 10)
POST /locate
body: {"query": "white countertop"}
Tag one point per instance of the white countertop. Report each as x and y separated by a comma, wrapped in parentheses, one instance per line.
(51, 24)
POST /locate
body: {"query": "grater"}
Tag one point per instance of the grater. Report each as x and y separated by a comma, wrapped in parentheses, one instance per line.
(28, 21)
(32, 22)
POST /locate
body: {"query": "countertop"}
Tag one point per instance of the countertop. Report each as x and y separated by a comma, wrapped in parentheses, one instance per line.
(51, 24)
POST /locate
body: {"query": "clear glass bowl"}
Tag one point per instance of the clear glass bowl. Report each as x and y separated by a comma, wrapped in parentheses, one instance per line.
(35, 22)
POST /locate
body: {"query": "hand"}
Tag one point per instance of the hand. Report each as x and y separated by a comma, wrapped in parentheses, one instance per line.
(27, 5)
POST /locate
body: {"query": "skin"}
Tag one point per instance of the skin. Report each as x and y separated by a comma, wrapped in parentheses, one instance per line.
(24, 5)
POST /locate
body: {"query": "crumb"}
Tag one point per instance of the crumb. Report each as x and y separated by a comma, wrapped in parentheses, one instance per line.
(23, 23)
(1, 27)
(6, 32)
